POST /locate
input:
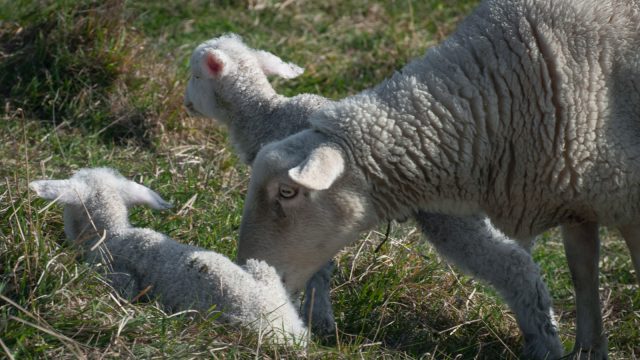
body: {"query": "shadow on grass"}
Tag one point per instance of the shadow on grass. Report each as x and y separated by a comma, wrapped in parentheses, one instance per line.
(68, 62)
(414, 307)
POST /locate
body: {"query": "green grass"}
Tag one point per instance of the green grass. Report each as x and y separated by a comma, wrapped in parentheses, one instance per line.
(93, 83)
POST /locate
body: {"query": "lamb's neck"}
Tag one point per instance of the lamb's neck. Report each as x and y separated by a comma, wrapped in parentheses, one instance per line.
(249, 104)
(98, 216)
(416, 141)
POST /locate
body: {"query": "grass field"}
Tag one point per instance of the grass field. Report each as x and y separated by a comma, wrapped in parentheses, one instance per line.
(99, 83)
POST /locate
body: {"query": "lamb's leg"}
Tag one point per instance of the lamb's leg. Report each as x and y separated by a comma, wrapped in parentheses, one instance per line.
(477, 248)
(631, 234)
(317, 302)
(582, 247)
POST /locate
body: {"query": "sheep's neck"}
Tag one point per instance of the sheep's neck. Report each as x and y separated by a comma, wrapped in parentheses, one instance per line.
(248, 105)
(96, 217)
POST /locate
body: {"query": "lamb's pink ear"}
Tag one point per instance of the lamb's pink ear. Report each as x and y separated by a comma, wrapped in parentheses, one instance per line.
(318, 172)
(135, 194)
(273, 65)
(64, 191)
(215, 63)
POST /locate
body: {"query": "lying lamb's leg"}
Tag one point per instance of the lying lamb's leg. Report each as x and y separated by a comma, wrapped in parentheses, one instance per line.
(477, 248)
(317, 308)
(582, 247)
(631, 234)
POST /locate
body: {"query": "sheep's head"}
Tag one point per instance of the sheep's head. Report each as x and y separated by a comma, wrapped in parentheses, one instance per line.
(223, 69)
(304, 204)
(97, 196)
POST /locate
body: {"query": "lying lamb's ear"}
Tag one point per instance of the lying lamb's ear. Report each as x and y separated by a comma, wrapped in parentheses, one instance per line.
(136, 194)
(215, 63)
(273, 65)
(65, 191)
(320, 169)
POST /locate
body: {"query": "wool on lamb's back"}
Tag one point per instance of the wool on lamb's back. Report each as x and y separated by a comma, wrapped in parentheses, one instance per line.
(546, 101)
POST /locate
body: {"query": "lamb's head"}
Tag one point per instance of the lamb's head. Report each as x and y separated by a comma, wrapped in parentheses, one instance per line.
(305, 202)
(96, 197)
(224, 69)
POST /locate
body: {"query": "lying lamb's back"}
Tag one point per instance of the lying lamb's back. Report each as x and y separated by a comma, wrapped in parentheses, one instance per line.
(186, 277)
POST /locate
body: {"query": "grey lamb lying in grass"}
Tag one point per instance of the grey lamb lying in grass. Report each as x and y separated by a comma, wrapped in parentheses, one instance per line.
(180, 276)
(528, 114)
(229, 83)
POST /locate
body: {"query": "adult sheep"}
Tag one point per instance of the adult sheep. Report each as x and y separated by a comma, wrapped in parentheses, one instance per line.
(528, 114)
(229, 83)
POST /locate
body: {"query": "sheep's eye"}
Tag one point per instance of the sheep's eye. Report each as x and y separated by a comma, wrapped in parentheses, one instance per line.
(197, 77)
(287, 192)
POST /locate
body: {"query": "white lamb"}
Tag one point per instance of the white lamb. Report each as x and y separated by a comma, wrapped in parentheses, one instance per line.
(528, 114)
(229, 82)
(179, 276)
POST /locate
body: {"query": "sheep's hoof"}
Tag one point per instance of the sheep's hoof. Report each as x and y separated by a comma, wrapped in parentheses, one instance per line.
(596, 353)
(543, 348)
(326, 326)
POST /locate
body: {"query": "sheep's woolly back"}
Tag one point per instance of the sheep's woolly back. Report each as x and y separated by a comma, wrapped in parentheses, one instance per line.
(185, 277)
(530, 104)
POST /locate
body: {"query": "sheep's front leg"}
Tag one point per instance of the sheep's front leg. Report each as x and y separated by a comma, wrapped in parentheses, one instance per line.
(477, 248)
(317, 310)
(582, 248)
(631, 234)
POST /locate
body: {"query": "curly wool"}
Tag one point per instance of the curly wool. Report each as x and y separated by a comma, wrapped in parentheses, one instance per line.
(454, 131)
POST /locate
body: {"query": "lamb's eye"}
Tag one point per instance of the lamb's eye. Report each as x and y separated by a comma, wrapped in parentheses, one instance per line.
(197, 77)
(287, 192)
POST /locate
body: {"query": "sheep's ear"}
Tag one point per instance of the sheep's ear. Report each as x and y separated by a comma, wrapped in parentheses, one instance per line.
(273, 65)
(135, 194)
(65, 191)
(215, 63)
(318, 172)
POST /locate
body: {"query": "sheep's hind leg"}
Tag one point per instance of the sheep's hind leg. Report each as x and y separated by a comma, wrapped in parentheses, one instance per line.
(477, 248)
(631, 235)
(317, 310)
(582, 248)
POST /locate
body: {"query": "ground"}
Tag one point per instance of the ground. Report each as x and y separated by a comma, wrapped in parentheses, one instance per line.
(94, 83)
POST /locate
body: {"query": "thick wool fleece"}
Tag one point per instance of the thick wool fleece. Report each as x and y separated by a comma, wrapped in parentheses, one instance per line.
(529, 105)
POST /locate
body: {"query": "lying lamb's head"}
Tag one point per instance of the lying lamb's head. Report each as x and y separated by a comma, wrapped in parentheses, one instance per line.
(97, 197)
(304, 204)
(224, 65)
